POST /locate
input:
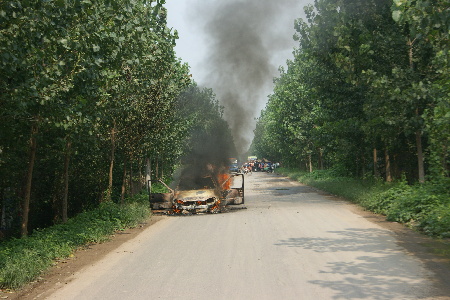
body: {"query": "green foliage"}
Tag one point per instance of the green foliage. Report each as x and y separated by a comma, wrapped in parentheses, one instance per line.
(208, 138)
(381, 202)
(23, 260)
(97, 82)
(366, 75)
(437, 221)
(141, 199)
(413, 204)
(158, 187)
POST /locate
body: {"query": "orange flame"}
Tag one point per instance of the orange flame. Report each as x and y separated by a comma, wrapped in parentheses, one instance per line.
(222, 179)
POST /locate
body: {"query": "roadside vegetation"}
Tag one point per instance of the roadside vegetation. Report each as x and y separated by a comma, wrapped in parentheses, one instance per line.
(88, 97)
(94, 103)
(24, 260)
(423, 207)
(362, 110)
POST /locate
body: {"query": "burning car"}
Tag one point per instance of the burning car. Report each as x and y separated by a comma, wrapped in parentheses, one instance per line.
(199, 194)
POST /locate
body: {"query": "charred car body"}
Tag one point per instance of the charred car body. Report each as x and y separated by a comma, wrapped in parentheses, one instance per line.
(200, 194)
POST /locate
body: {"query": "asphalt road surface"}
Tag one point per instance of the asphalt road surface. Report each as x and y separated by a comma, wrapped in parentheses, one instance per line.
(290, 242)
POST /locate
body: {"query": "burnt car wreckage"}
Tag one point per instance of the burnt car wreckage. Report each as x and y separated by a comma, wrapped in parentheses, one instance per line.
(201, 194)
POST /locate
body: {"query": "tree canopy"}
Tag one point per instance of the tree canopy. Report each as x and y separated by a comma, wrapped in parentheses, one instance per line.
(366, 92)
(89, 105)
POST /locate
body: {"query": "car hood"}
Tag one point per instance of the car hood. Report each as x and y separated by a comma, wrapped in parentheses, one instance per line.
(195, 195)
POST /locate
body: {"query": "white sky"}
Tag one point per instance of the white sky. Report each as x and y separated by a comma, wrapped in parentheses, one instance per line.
(189, 45)
(192, 44)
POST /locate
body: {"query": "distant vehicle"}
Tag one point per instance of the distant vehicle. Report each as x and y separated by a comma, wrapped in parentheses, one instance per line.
(234, 168)
(233, 160)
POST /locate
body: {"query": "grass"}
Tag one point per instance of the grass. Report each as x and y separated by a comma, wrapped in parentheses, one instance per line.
(23, 260)
(425, 207)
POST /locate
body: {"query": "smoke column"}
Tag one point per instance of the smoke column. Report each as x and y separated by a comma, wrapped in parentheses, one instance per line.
(243, 39)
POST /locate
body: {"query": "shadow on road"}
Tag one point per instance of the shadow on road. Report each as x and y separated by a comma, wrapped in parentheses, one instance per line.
(381, 268)
(285, 191)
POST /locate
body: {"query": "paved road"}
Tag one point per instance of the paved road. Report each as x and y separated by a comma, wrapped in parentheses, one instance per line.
(290, 243)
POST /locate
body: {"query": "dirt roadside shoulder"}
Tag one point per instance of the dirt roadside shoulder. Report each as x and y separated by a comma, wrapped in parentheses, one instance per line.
(59, 274)
(434, 253)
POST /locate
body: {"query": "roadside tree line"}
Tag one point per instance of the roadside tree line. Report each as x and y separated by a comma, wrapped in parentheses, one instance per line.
(367, 91)
(89, 105)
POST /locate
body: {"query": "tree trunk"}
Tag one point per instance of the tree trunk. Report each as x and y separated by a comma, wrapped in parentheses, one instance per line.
(111, 164)
(29, 179)
(420, 156)
(388, 166)
(57, 200)
(310, 163)
(124, 182)
(375, 163)
(148, 169)
(3, 213)
(421, 169)
(141, 177)
(363, 167)
(411, 53)
(64, 204)
(320, 158)
(130, 183)
(445, 165)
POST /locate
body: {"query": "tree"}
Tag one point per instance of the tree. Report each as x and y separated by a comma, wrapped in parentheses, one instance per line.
(428, 22)
(359, 82)
(208, 138)
(79, 79)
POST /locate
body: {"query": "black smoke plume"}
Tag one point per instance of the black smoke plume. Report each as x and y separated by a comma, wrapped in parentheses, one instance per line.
(243, 40)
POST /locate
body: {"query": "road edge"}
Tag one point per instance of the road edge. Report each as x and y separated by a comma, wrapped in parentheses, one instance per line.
(59, 274)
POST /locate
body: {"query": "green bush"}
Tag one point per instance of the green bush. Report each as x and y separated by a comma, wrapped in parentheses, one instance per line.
(141, 198)
(381, 197)
(158, 187)
(437, 221)
(412, 204)
(23, 260)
